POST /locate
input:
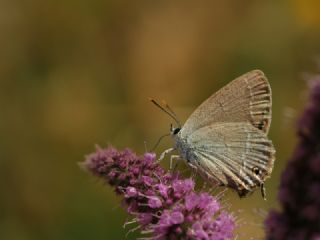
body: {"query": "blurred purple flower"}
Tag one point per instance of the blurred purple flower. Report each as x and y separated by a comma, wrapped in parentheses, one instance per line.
(299, 193)
(164, 205)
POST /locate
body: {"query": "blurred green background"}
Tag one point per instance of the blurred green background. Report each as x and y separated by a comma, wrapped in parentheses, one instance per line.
(78, 73)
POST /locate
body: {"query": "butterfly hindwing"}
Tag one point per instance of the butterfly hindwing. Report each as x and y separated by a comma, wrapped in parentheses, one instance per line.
(235, 154)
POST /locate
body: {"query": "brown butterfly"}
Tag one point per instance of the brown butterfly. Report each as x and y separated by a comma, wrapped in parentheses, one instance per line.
(225, 138)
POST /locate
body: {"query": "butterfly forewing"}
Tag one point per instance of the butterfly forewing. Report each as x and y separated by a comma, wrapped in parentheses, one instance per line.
(235, 154)
(245, 99)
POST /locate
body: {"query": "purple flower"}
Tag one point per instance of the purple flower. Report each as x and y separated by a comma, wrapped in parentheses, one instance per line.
(164, 204)
(299, 192)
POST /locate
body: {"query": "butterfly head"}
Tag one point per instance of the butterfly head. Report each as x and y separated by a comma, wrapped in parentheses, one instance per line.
(174, 130)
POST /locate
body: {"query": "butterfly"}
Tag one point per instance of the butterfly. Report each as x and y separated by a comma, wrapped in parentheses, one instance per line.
(225, 138)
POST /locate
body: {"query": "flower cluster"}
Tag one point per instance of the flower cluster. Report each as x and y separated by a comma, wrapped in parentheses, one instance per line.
(164, 204)
(299, 193)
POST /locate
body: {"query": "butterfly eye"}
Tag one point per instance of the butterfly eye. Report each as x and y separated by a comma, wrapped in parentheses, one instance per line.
(256, 171)
(175, 131)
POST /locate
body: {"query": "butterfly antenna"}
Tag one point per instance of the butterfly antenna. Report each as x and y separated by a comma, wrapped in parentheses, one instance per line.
(167, 111)
(159, 140)
(169, 108)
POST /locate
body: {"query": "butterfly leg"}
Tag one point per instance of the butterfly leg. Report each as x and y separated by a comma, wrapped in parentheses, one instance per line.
(145, 146)
(173, 157)
(263, 192)
(194, 169)
(162, 156)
